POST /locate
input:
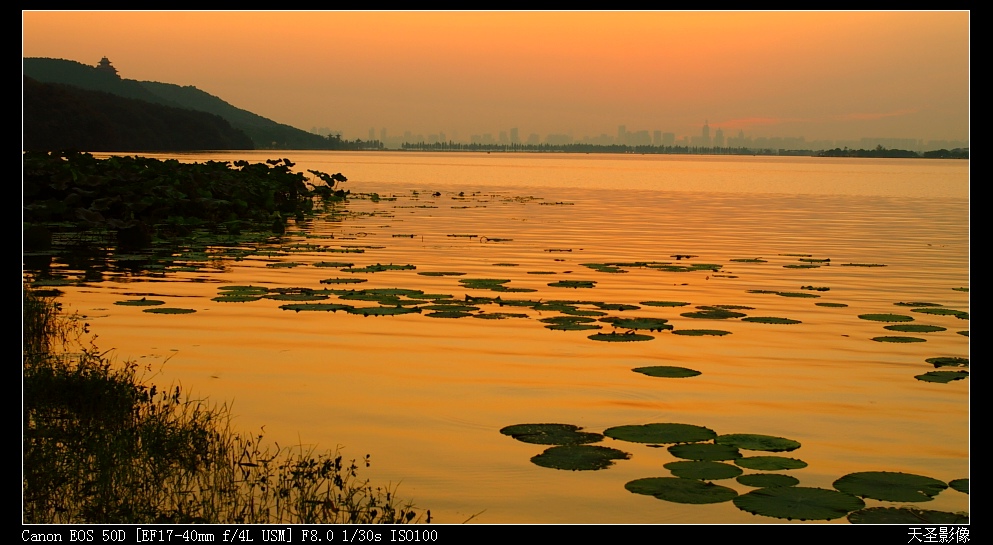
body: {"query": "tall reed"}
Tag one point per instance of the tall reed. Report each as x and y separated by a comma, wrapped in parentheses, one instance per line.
(102, 446)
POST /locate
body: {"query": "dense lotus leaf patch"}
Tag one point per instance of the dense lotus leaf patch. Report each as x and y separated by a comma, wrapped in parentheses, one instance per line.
(705, 452)
(236, 298)
(678, 490)
(381, 311)
(665, 371)
(831, 305)
(754, 441)
(886, 317)
(542, 272)
(651, 324)
(767, 480)
(664, 303)
(285, 265)
(796, 294)
(862, 265)
(662, 433)
(140, 302)
(948, 361)
(603, 267)
(704, 471)
(321, 307)
(441, 273)
(499, 315)
(960, 314)
(573, 311)
(253, 290)
(614, 306)
(890, 486)
(334, 264)
(770, 463)
(815, 288)
(506, 264)
(379, 267)
(169, 310)
(573, 284)
(344, 280)
(450, 307)
(943, 377)
(301, 296)
(770, 320)
(713, 314)
(558, 320)
(579, 457)
(801, 266)
(551, 434)
(701, 332)
(961, 289)
(963, 333)
(916, 304)
(801, 503)
(725, 307)
(613, 337)
(962, 485)
(748, 260)
(897, 339)
(905, 515)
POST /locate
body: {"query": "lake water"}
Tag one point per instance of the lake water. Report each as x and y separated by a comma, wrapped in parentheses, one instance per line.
(426, 396)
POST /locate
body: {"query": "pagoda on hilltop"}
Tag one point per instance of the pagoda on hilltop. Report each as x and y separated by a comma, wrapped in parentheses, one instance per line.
(105, 67)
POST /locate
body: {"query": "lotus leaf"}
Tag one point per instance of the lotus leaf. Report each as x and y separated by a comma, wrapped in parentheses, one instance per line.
(960, 314)
(890, 486)
(252, 290)
(770, 463)
(662, 433)
(905, 515)
(615, 306)
(579, 457)
(499, 315)
(862, 265)
(769, 320)
(963, 333)
(551, 434)
(767, 480)
(894, 339)
(961, 289)
(794, 502)
(664, 303)
(573, 284)
(236, 298)
(752, 441)
(962, 485)
(169, 310)
(801, 266)
(713, 314)
(344, 280)
(335, 264)
(749, 260)
(831, 305)
(916, 304)
(651, 324)
(679, 490)
(441, 273)
(796, 294)
(665, 371)
(448, 314)
(704, 452)
(886, 317)
(380, 311)
(613, 337)
(948, 361)
(701, 332)
(704, 471)
(140, 302)
(914, 328)
(936, 376)
(325, 307)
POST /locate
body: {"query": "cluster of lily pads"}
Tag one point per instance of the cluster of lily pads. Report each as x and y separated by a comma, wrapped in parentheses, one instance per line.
(704, 457)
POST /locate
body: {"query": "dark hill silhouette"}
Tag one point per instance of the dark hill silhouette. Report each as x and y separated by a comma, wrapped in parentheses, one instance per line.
(265, 133)
(58, 117)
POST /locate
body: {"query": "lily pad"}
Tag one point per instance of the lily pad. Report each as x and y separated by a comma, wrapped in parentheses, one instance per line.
(890, 486)
(948, 361)
(701, 332)
(323, 307)
(796, 294)
(334, 264)
(381, 311)
(666, 371)
(914, 328)
(551, 434)
(748, 260)
(140, 302)
(770, 463)
(344, 280)
(704, 471)
(794, 502)
(753, 441)
(704, 452)
(916, 304)
(236, 298)
(886, 317)
(962, 485)
(960, 314)
(770, 320)
(661, 433)
(679, 490)
(573, 284)
(651, 324)
(831, 305)
(579, 457)
(664, 303)
(939, 376)
(169, 310)
(905, 515)
(767, 480)
(441, 273)
(713, 314)
(895, 339)
(629, 336)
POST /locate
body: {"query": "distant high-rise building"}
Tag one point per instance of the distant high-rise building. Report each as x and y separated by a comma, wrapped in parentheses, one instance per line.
(514, 137)
(657, 138)
(503, 138)
(622, 134)
(719, 138)
(705, 137)
(668, 139)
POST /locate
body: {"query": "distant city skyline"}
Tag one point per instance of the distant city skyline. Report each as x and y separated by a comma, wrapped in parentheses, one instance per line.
(830, 75)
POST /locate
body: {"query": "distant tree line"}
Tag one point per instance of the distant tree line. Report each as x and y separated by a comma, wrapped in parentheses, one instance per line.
(880, 151)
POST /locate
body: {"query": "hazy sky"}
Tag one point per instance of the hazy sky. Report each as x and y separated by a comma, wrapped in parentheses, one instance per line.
(820, 75)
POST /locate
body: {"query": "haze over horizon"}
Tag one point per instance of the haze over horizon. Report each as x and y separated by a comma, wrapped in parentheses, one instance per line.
(817, 75)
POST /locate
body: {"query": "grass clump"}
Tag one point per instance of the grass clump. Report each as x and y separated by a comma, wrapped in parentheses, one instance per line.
(102, 446)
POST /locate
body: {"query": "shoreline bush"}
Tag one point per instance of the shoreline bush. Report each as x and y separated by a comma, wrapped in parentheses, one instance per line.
(100, 445)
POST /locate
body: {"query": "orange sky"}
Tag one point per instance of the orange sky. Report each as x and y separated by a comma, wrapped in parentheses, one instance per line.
(820, 75)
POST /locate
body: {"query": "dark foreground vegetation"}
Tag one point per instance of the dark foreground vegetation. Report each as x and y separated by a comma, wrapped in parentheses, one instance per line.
(101, 445)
